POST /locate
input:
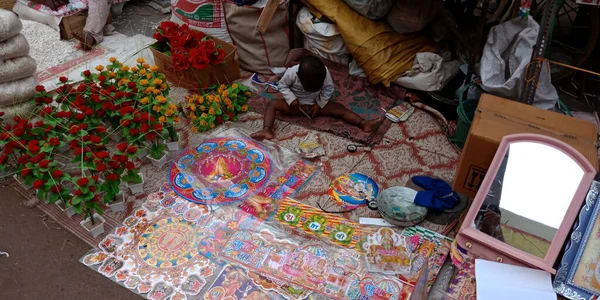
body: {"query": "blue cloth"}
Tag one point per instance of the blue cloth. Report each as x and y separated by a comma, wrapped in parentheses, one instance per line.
(437, 194)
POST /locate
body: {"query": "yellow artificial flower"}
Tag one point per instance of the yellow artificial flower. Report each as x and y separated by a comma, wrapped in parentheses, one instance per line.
(172, 106)
(234, 86)
(245, 107)
(225, 93)
(194, 130)
(157, 91)
(248, 94)
(134, 69)
(144, 82)
(162, 119)
(149, 75)
(163, 87)
(112, 59)
(99, 68)
(234, 96)
(161, 99)
(211, 111)
(169, 112)
(157, 81)
(149, 90)
(154, 68)
(125, 68)
(176, 119)
(212, 125)
(200, 99)
(111, 74)
(146, 66)
(189, 99)
(192, 107)
(202, 123)
(218, 99)
(156, 108)
(227, 101)
(203, 115)
(142, 72)
(144, 100)
(202, 108)
(141, 60)
(193, 116)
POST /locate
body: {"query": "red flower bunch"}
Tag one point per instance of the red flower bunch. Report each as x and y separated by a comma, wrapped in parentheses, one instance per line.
(188, 47)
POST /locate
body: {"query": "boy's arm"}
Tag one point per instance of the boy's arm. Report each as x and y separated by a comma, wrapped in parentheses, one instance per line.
(326, 91)
(284, 86)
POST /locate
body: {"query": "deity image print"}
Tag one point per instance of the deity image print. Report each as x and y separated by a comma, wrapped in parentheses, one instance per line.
(317, 273)
(232, 283)
(388, 254)
(220, 172)
(359, 190)
(295, 266)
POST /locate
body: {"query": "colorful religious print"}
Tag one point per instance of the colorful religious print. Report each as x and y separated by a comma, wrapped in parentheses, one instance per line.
(463, 286)
(220, 171)
(423, 243)
(234, 284)
(226, 170)
(327, 271)
(309, 219)
(287, 290)
(160, 250)
(387, 252)
(586, 271)
(353, 190)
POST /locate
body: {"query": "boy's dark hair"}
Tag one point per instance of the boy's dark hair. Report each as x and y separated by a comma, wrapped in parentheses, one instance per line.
(311, 73)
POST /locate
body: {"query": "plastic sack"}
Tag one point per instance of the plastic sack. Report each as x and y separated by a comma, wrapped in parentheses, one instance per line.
(383, 53)
(408, 16)
(507, 52)
(258, 51)
(372, 9)
(322, 38)
(207, 16)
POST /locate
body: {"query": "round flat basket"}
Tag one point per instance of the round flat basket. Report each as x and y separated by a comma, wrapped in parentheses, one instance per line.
(396, 205)
(7, 4)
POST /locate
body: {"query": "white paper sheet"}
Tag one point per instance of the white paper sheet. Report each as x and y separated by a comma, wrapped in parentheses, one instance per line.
(496, 281)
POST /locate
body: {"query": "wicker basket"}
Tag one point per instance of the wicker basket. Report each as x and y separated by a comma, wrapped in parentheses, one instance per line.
(7, 4)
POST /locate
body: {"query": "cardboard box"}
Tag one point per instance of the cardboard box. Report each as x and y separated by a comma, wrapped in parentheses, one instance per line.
(75, 23)
(496, 117)
(190, 78)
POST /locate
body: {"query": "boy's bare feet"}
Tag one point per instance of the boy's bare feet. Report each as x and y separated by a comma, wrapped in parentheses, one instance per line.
(265, 134)
(369, 126)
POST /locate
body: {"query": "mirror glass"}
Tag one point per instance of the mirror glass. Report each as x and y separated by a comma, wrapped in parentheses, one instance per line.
(529, 196)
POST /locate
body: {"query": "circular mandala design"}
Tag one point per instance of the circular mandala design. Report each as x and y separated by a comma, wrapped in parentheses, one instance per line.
(220, 171)
(168, 243)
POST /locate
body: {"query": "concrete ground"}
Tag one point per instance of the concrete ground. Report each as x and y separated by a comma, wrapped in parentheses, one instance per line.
(44, 258)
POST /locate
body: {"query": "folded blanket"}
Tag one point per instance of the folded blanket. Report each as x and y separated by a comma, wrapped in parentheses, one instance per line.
(17, 91)
(17, 68)
(10, 25)
(15, 46)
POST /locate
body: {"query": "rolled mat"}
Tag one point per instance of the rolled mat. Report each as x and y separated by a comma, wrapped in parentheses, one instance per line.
(17, 68)
(15, 46)
(10, 25)
(15, 92)
(383, 53)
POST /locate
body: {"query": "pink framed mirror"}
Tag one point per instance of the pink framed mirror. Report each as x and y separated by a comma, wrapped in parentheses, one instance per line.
(527, 202)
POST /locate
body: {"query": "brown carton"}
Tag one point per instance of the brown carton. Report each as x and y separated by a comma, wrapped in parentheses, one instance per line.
(496, 117)
(192, 78)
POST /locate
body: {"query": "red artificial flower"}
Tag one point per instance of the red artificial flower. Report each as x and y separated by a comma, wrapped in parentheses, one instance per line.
(102, 154)
(3, 159)
(44, 164)
(48, 100)
(19, 131)
(92, 188)
(230, 115)
(132, 150)
(89, 111)
(55, 189)
(180, 39)
(112, 177)
(180, 62)
(36, 159)
(126, 110)
(25, 172)
(40, 88)
(114, 164)
(134, 131)
(63, 79)
(79, 116)
(100, 129)
(131, 84)
(57, 174)
(107, 106)
(38, 184)
(83, 126)
(209, 47)
(54, 141)
(159, 37)
(96, 98)
(46, 110)
(219, 58)
(81, 88)
(100, 167)
(73, 130)
(112, 88)
(87, 73)
(197, 34)
(199, 59)
(144, 127)
(150, 136)
(169, 28)
(48, 128)
(102, 78)
(96, 139)
(158, 127)
(129, 166)
(82, 181)
(219, 120)
(125, 123)
(33, 146)
(78, 192)
(122, 147)
(122, 158)
(78, 151)
(39, 123)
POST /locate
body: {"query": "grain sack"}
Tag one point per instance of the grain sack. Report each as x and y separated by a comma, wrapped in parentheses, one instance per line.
(17, 68)
(10, 25)
(14, 47)
(204, 15)
(408, 16)
(372, 9)
(258, 52)
(323, 39)
(17, 91)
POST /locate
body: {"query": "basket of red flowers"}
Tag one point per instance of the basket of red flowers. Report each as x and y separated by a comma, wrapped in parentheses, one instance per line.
(191, 59)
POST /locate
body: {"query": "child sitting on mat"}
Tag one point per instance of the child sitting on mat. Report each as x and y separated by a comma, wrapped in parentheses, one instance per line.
(306, 90)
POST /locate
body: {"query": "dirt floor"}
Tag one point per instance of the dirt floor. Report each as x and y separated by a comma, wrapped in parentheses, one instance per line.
(44, 258)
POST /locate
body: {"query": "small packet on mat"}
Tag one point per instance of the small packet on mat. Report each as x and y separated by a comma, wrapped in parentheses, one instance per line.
(400, 113)
(310, 147)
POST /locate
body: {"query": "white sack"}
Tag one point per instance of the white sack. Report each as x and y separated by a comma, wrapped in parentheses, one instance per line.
(15, 46)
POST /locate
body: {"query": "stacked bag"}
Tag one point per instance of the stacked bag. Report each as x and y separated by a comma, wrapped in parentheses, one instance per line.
(17, 68)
